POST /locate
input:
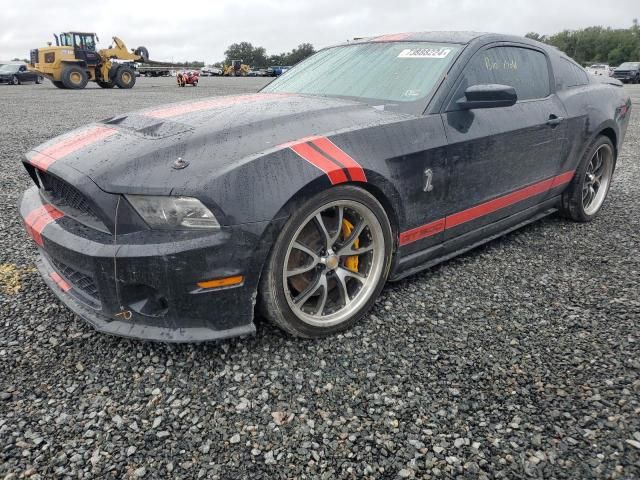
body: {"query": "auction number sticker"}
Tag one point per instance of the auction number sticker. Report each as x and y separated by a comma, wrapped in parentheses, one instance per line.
(424, 53)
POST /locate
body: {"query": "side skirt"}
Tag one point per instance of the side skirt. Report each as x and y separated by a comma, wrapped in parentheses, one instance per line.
(425, 259)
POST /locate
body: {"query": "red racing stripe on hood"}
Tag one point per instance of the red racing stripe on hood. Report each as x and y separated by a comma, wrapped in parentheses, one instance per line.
(394, 37)
(38, 219)
(44, 158)
(213, 103)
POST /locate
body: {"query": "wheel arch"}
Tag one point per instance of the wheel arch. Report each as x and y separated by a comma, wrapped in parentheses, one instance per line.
(610, 133)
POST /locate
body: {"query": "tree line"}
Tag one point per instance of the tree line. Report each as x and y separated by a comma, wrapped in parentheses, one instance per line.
(597, 44)
(257, 57)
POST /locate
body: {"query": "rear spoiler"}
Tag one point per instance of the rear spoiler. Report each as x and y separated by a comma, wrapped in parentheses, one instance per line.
(607, 80)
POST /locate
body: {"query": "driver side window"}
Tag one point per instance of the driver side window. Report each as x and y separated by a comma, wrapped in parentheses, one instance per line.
(524, 69)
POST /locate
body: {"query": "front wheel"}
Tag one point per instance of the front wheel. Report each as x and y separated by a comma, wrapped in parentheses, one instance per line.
(590, 185)
(328, 264)
(125, 77)
(74, 77)
(15, 80)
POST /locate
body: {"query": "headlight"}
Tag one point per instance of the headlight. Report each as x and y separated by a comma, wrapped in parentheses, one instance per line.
(173, 212)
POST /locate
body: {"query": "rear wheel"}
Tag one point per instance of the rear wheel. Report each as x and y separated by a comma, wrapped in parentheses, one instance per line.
(15, 80)
(58, 84)
(125, 77)
(329, 263)
(590, 185)
(74, 77)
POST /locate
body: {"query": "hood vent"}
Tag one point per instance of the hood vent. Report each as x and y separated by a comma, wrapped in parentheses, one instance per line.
(147, 127)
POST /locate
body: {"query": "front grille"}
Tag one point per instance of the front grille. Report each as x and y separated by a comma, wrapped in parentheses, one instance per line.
(79, 280)
(63, 194)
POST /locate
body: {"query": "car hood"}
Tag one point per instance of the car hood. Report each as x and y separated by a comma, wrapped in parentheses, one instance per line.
(137, 152)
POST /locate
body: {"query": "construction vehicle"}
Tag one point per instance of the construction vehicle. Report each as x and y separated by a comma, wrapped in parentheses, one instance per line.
(74, 61)
(236, 69)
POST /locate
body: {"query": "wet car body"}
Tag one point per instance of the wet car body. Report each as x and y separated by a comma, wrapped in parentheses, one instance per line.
(449, 180)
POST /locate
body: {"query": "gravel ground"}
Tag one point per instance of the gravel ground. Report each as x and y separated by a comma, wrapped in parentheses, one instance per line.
(520, 359)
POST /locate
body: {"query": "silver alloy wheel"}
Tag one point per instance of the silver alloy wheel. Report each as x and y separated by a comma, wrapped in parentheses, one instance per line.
(597, 178)
(321, 287)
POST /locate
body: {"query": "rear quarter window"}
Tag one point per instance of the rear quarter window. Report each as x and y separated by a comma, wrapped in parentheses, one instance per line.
(568, 74)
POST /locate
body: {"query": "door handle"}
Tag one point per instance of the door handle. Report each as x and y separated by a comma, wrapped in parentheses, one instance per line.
(554, 120)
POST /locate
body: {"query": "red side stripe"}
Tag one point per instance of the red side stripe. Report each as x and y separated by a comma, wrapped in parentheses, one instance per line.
(315, 158)
(47, 156)
(38, 219)
(563, 179)
(451, 221)
(497, 204)
(62, 284)
(354, 168)
(424, 231)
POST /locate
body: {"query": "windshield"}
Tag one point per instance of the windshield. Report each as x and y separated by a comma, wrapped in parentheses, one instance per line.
(630, 65)
(9, 68)
(391, 72)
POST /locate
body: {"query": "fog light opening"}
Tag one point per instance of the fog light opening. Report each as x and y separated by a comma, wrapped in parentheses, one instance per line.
(145, 300)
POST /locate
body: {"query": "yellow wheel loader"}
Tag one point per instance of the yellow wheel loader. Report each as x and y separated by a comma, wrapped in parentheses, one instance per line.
(236, 69)
(74, 61)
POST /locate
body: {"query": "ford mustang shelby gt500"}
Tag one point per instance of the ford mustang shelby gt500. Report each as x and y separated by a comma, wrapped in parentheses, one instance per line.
(367, 161)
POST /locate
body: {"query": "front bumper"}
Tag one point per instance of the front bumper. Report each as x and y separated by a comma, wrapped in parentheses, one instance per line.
(144, 285)
(5, 79)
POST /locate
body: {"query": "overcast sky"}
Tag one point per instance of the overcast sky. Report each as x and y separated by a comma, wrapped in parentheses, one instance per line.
(201, 29)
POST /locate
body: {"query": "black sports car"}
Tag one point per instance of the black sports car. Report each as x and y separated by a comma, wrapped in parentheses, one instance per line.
(17, 73)
(367, 161)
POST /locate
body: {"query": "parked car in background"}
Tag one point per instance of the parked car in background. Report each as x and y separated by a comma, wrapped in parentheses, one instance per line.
(258, 72)
(599, 69)
(17, 73)
(211, 72)
(276, 71)
(628, 72)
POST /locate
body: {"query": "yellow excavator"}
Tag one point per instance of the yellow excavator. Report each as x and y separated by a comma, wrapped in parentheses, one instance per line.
(74, 61)
(236, 69)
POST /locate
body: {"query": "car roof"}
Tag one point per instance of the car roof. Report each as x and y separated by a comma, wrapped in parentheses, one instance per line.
(459, 37)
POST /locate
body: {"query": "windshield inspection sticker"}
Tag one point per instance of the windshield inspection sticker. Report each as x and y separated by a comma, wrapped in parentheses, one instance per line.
(424, 53)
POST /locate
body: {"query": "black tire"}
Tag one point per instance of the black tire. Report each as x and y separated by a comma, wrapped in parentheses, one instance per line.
(58, 84)
(74, 77)
(272, 301)
(572, 199)
(15, 80)
(125, 77)
(103, 84)
(142, 52)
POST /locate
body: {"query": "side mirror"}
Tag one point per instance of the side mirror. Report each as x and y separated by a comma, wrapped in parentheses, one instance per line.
(488, 96)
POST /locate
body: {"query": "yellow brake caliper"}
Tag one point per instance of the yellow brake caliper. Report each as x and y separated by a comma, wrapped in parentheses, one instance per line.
(352, 261)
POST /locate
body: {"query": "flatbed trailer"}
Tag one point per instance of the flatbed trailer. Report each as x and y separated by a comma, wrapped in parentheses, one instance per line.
(156, 70)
